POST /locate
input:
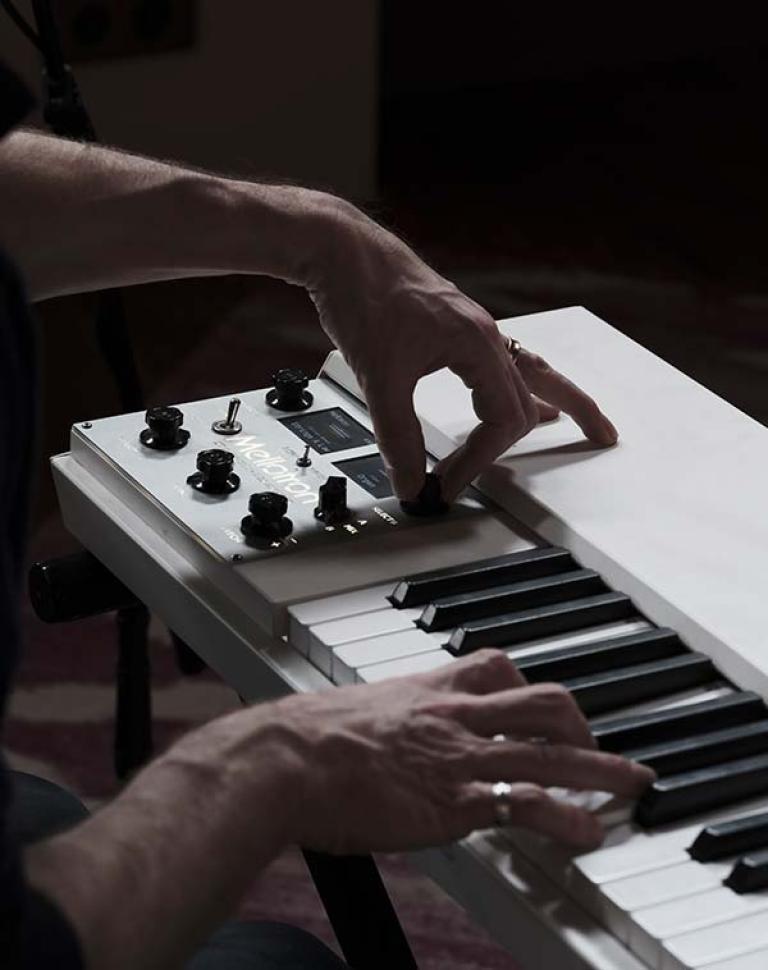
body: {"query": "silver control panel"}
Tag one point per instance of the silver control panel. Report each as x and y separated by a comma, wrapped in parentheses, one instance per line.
(288, 453)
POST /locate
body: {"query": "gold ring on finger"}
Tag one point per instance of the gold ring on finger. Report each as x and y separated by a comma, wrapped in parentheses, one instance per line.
(513, 348)
(502, 807)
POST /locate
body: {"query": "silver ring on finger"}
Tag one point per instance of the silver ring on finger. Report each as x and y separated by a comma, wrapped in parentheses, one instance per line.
(502, 792)
(513, 348)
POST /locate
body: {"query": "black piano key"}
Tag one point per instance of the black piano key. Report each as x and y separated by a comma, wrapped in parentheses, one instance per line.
(730, 838)
(701, 750)
(543, 621)
(677, 796)
(451, 611)
(611, 689)
(641, 730)
(749, 874)
(514, 567)
(596, 655)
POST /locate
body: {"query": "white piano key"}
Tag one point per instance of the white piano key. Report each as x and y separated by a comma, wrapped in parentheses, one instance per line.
(301, 616)
(650, 927)
(627, 852)
(731, 938)
(325, 636)
(404, 666)
(755, 960)
(622, 897)
(348, 659)
(341, 661)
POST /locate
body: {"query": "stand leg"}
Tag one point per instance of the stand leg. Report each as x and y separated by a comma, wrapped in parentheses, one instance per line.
(360, 912)
(187, 660)
(133, 715)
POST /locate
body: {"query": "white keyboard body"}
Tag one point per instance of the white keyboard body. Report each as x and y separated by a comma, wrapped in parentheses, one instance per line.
(673, 516)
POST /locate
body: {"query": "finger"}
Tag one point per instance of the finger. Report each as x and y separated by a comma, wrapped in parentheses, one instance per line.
(554, 388)
(505, 410)
(399, 434)
(482, 672)
(542, 711)
(547, 412)
(532, 808)
(559, 765)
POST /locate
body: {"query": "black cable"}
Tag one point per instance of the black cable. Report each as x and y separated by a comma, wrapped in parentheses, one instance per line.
(50, 45)
(24, 26)
(66, 115)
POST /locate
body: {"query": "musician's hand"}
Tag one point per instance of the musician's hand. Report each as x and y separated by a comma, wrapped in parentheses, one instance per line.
(396, 320)
(411, 762)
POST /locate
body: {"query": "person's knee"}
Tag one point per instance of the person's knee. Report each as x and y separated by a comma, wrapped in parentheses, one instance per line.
(40, 809)
(264, 946)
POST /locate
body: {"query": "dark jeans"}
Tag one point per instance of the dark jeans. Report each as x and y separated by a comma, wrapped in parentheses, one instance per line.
(41, 809)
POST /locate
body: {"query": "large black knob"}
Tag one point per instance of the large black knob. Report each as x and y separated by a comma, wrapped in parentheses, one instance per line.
(333, 508)
(290, 391)
(267, 517)
(214, 474)
(164, 431)
(430, 499)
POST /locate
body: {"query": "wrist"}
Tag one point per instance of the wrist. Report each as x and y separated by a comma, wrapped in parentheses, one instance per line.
(250, 762)
(283, 231)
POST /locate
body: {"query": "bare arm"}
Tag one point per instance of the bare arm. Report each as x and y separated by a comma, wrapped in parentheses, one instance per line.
(150, 876)
(402, 764)
(80, 217)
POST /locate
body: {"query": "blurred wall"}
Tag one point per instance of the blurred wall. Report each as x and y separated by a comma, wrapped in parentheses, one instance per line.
(284, 89)
(443, 47)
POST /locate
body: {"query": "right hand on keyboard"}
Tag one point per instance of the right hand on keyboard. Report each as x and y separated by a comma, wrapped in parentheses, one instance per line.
(410, 762)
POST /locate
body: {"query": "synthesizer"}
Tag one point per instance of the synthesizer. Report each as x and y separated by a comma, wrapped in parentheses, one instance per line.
(262, 528)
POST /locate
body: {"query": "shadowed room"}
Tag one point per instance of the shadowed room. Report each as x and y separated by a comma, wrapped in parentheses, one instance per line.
(538, 157)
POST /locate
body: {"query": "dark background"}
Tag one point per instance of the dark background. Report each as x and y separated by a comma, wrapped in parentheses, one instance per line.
(539, 156)
(609, 156)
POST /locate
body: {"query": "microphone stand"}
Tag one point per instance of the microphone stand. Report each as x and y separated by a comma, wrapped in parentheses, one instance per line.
(66, 115)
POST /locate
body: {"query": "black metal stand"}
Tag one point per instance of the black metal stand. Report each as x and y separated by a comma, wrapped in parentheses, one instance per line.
(350, 887)
(360, 911)
(187, 660)
(133, 702)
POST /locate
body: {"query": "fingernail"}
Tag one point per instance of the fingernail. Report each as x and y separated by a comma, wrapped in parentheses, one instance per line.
(608, 433)
(406, 485)
(644, 776)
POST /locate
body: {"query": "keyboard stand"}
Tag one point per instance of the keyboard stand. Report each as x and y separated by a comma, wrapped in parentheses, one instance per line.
(350, 888)
(360, 911)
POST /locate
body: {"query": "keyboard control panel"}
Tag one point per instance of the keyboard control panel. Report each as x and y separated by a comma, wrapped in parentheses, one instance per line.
(260, 474)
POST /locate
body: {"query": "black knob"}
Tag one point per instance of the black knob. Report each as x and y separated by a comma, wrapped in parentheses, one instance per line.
(333, 507)
(267, 519)
(164, 431)
(290, 391)
(429, 501)
(214, 474)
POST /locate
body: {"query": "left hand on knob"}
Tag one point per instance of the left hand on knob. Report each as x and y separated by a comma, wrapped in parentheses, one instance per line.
(396, 320)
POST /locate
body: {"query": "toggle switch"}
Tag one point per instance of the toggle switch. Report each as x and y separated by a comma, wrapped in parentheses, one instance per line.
(230, 424)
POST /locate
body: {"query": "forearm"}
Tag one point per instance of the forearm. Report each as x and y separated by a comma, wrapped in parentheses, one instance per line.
(153, 874)
(79, 217)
